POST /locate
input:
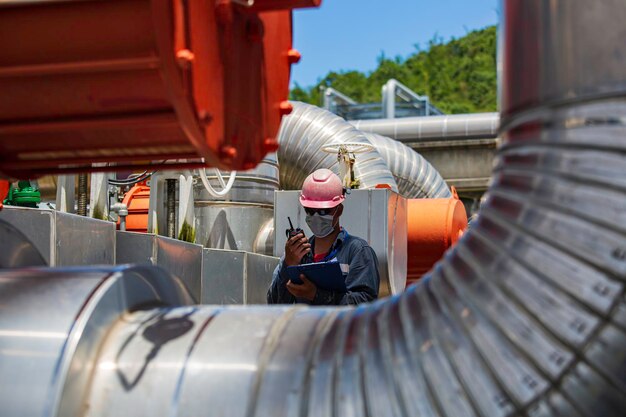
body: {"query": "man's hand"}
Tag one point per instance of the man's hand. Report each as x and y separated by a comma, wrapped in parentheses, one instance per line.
(295, 248)
(306, 290)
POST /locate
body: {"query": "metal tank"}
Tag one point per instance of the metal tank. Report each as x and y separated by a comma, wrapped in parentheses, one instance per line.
(243, 218)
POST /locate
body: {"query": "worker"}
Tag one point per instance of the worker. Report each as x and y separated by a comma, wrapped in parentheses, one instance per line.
(322, 197)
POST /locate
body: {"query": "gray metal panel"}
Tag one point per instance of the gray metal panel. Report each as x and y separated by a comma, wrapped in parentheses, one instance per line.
(65, 239)
(135, 248)
(376, 215)
(236, 277)
(16, 250)
(397, 248)
(183, 260)
(258, 277)
(179, 258)
(227, 225)
(36, 225)
(84, 241)
(223, 272)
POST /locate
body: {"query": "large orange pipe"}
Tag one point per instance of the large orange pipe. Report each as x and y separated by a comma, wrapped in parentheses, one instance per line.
(434, 225)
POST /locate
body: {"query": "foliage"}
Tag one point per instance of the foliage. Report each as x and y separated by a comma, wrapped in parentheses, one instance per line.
(459, 76)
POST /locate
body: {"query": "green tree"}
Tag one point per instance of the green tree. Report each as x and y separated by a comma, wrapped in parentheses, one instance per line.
(459, 76)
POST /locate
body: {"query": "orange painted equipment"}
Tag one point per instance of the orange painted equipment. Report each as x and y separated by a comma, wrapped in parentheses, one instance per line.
(151, 81)
(433, 226)
(137, 200)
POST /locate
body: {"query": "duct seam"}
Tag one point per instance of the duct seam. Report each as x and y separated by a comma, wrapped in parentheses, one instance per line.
(529, 240)
(610, 216)
(192, 346)
(322, 328)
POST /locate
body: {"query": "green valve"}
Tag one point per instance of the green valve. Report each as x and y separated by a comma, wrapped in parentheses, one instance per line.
(25, 195)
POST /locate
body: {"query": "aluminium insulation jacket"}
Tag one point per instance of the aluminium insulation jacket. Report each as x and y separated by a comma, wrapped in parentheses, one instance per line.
(526, 316)
(303, 134)
(415, 176)
(308, 128)
(433, 128)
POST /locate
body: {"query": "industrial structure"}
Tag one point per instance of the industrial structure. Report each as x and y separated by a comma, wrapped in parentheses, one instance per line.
(409, 104)
(120, 309)
(460, 147)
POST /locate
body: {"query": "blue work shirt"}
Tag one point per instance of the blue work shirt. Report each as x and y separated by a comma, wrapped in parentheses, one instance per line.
(358, 263)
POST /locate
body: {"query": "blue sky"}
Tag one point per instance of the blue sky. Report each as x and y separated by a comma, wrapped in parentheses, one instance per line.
(351, 34)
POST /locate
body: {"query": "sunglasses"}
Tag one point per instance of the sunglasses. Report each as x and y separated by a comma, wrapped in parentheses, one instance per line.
(321, 212)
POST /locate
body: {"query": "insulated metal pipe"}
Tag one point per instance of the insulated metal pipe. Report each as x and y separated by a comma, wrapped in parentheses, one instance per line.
(415, 176)
(302, 135)
(304, 132)
(525, 316)
(432, 128)
(16, 250)
(122, 211)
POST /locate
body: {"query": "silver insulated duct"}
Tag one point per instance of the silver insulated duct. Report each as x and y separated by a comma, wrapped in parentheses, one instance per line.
(303, 134)
(432, 128)
(415, 176)
(308, 128)
(526, 316)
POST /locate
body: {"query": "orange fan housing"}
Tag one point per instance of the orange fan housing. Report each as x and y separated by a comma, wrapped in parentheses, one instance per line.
(142, 83)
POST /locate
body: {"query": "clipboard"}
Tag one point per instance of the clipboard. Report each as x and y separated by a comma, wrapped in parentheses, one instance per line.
(325, 275)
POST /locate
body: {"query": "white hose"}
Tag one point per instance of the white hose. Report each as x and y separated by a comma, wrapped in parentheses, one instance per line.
(225, 186)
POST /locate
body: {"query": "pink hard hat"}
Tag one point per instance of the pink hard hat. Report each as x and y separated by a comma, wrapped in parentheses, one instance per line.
(322, 189)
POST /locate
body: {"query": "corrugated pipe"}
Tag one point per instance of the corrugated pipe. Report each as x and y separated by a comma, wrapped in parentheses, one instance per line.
(433, 128)
(303, 134)
(308, 128)
(526, 316)
(415, 176)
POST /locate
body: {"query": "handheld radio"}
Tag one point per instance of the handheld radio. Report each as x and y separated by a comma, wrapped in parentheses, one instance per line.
(291, 232)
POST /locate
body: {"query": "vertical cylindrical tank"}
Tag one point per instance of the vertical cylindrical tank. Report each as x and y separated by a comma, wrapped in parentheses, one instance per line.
(236, 220)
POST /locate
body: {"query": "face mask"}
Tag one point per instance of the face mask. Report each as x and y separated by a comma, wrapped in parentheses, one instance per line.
(321, 226)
